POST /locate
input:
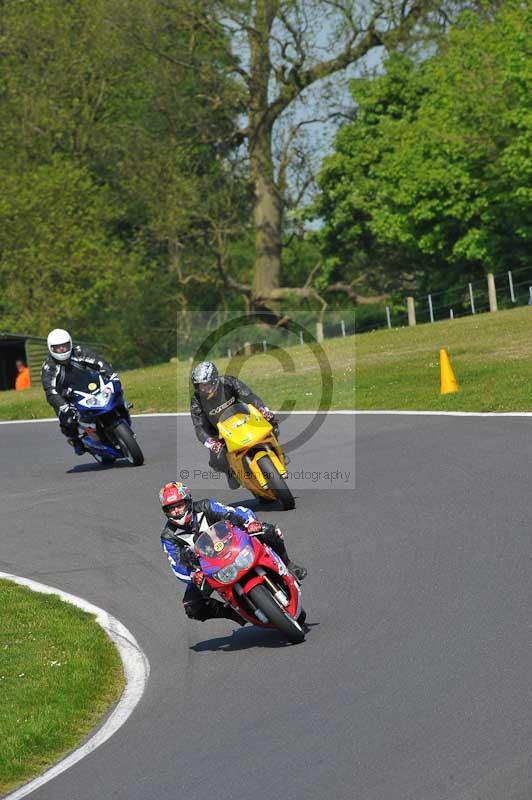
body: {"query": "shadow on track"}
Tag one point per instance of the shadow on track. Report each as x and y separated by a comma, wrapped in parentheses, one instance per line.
(245, 638)
(93, 466)
(258, 504)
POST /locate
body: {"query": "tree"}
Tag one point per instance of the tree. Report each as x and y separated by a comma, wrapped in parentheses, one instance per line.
(278, 49)
(437, 166)
(108, 155)
(345, 203)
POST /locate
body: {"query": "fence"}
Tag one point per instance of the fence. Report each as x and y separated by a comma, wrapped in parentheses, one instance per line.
(497, 291)
(319, 331)
(226, 333)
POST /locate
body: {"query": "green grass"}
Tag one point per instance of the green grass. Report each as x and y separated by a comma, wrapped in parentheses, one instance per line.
(389, 369)
(59, 673)
(293, 379)
(491, 355)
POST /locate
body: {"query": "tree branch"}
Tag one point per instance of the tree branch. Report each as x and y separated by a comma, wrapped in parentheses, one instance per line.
(358, 299)
(305, 292)
(296, 81)
(346, 288)
(229, 281)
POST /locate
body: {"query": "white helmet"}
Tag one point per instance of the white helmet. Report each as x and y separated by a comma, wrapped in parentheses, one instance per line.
(59, 344)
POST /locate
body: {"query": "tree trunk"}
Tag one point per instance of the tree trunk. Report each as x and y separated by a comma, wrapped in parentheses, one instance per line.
(267, 215)
(267, 204)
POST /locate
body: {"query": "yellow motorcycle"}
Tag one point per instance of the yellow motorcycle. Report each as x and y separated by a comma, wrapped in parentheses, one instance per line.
(255, 456)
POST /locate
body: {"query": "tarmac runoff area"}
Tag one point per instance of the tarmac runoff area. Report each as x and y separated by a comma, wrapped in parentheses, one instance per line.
(414, 679)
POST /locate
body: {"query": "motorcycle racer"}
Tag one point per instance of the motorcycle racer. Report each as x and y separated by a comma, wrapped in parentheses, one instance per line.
(56, 376)
(184, 518)
(213, 393)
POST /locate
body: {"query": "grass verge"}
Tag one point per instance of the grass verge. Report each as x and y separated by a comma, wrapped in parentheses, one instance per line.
(394, 369)
(293, 379)
(491, 355)
(59, 672)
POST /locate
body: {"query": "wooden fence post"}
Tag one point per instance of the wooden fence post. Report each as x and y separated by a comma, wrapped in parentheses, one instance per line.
(411, 310)
(492, 294)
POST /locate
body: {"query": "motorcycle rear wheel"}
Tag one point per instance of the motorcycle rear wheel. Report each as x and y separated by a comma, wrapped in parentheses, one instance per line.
(128, 444)
(286, 624)
(276, 483)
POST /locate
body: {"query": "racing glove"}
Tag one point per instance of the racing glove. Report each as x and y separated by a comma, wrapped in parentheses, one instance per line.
(267, 414)
(214, 444)
(188, 558)
(68, 415)
(199, 581)
(253, 526)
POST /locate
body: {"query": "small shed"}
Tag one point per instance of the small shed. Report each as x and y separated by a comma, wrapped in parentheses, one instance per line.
(31, 349)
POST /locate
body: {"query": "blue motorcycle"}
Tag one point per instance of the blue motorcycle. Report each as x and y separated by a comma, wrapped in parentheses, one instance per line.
(104, 422)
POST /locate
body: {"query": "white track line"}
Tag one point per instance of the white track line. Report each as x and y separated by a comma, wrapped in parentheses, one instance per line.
(479, 414)
(161, 414)
(136, 668)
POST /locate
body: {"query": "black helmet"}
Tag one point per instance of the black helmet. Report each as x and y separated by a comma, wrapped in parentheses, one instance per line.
(205, 378)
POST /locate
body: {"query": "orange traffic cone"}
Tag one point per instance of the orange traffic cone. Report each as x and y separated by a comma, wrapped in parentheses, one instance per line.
(448, 383)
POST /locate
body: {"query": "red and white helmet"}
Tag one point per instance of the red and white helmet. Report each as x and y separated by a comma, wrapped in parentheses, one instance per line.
(176, 501)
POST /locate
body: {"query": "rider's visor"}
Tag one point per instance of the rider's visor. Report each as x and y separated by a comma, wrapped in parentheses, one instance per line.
(208, 388)
(64, 347)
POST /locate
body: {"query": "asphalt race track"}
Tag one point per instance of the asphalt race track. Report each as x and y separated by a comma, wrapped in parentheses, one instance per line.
(415, 680)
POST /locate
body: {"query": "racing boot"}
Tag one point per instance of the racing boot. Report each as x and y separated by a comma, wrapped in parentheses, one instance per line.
(273, 536)
(77, 444)
(232, 481)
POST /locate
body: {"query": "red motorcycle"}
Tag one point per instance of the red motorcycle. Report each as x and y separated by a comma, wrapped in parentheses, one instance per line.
(249, 576)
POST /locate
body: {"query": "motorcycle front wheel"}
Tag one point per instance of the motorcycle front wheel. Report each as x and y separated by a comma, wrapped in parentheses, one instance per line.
(286, 624)
(276, 483)
(128, 445)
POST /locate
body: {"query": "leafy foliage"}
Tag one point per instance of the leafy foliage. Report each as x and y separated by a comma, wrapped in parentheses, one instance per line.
(432, 182)
(113, 169)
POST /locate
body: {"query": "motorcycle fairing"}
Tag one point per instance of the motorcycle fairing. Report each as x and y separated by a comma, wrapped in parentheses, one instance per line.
(100, 399)
(96, 399)
(249, 437)
(243, 430)
(265, 561)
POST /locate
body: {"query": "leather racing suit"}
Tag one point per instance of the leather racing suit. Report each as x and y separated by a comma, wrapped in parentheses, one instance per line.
(206, 412)
(57, 376)
(176, 543)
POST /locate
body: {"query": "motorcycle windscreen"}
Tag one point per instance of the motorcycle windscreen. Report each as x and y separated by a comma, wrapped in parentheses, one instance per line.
(89, 390)
(236, 408)
(215, 540)
(84, 380)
